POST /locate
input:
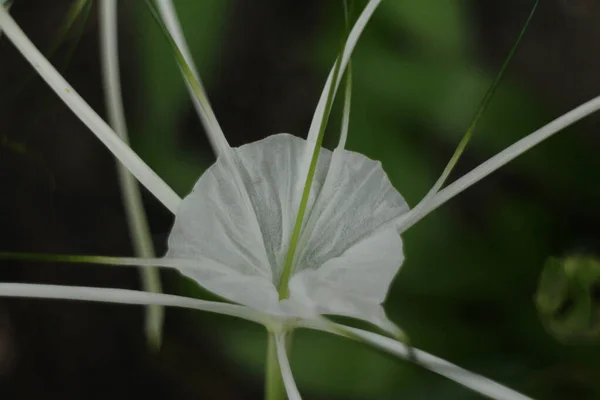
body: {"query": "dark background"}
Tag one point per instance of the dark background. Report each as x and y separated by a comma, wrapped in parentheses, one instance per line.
(465, 291)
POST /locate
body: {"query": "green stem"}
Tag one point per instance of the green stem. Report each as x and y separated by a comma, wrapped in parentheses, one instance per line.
(274, 389)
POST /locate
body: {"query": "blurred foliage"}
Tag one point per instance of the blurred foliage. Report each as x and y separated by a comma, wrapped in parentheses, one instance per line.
(568, 297)
(465, 292)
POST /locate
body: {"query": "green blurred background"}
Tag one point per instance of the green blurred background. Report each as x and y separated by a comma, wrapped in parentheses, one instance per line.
(465, 290)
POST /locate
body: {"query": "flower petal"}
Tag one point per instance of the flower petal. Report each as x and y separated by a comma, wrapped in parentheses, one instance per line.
(252, 291)
(502, 158)
(471, 380)
(325, 300)
(87, 115)
(226, 155)
(348, 240)
(249, 290)
(204, 110)
(462, 376)
(353, 37)
(354, 284)
(125, 296)
(349, 234)
(286, 370)
(212, 221)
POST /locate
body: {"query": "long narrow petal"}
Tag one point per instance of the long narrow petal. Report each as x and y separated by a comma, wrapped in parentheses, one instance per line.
(504, 157)
(473, 381)
(86, 114)
(176, 263)
(286, 370)
(310, 159)
(225, 153)
(130, 191)
(217, 278)
(348, 90)
(355, 33)
(204, 110)
(420, 209)
(346, 111)
(125, 296)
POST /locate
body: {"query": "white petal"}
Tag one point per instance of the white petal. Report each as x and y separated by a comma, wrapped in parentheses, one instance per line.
(311, 292)
(353, 37)
(286, 371)
(355, 284)
(462, 376)
(346, 110)
(213, 222)
(251, 291)
(348, 247)
(501, 159)
(207, 116)
(124, 296)
(87, 115)
(473, 381)
(350, 250)
(349, 237)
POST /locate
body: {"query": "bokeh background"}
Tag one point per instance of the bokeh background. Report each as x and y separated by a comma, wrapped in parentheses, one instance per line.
(421, 68)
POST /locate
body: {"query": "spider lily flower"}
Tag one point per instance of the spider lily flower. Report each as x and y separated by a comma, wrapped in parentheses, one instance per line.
(284, 228)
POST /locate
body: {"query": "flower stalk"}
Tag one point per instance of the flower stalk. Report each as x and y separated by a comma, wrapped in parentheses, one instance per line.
(274, 389)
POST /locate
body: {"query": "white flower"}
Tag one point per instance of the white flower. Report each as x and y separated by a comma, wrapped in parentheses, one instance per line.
(349, 249)
(236, 233)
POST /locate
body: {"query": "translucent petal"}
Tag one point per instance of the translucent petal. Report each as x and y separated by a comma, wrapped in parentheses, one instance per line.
(356, 202)
(212, 223)
(349, 249)
(356, 283)
(250, 290)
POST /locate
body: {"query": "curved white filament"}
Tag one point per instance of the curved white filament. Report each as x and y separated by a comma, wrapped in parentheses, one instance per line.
(222, 148)
(87, 115)
(180, 264)
(346, 111)
(353, 37)
(204, 110)
(471, 380)
(126, 296)
(499, 160)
